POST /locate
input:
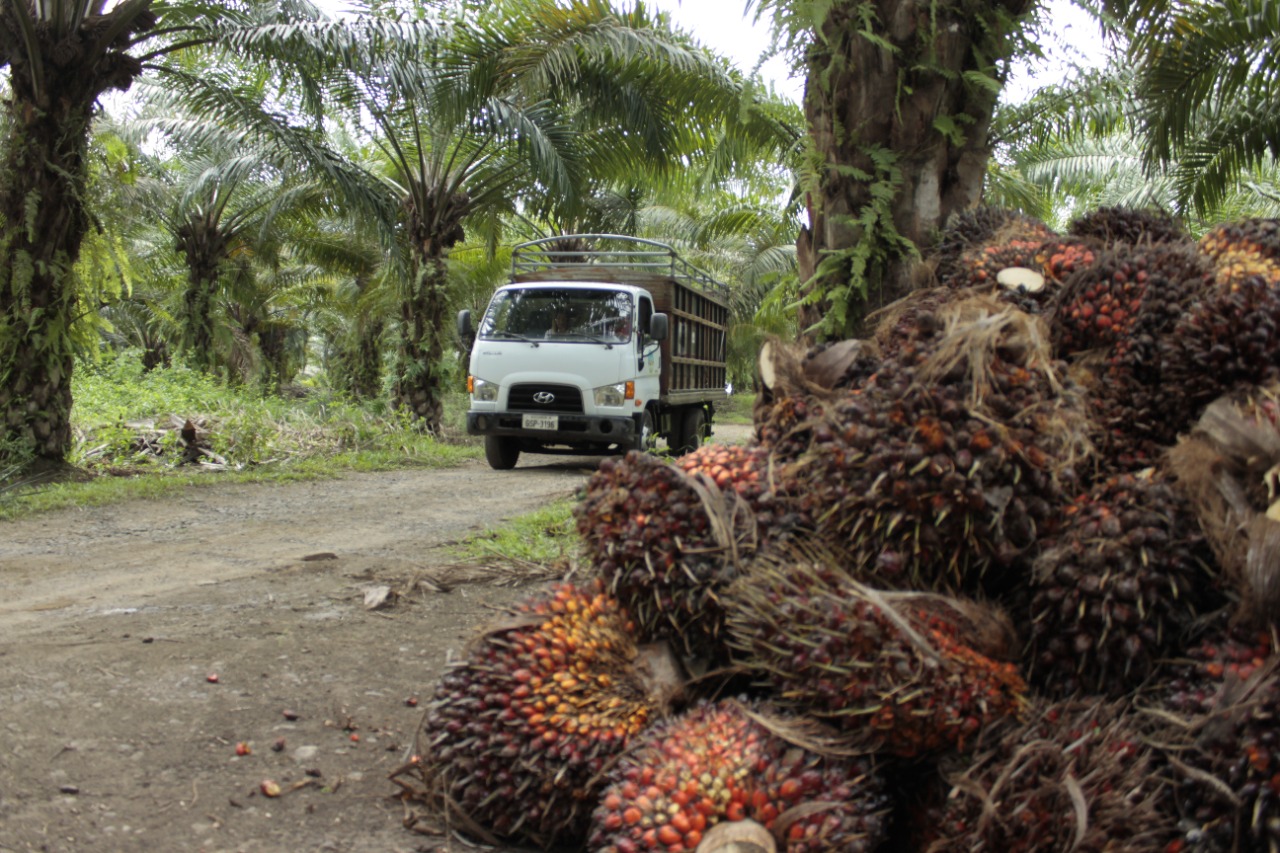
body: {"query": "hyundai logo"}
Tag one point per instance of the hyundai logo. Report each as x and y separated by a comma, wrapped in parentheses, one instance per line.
(544, 397)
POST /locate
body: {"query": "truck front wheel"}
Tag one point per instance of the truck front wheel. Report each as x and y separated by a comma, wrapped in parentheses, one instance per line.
(647, 433)
(501, 451)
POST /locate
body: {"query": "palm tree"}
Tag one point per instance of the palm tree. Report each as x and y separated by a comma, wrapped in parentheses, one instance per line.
(220, 201)
(534, 102)
(898, 99)
(62, 55)
(1082, 144)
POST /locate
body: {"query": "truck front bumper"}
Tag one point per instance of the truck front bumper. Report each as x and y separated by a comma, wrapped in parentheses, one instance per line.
(574, 429)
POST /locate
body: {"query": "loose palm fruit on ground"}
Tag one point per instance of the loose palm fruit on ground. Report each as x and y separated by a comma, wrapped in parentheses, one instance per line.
(667, 539)
(1223, 751)
(1244, 249)
(1126, 225)
(517, 736)
(730, 761)
(1119, 590)
(906, 674)
(1075, 775)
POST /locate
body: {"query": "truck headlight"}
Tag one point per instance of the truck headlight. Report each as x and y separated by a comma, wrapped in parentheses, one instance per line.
(611, 395)
(484, 392)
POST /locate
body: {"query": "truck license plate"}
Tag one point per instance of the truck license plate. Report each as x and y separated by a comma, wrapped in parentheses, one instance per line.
(541, 421)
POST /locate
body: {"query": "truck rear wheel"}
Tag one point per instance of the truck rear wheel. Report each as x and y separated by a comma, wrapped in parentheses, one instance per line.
(501, 451)
(693, 431)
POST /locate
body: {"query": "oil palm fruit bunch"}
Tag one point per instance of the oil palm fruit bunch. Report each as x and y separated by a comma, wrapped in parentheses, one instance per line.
(667, 537)
(1098, 304)
(1176, 277)
(727, 762)
(1127, 402)
(1226, 694)
(1128, 225)
(966, 231)
(517, 736)
(1227, 340)
(1058, 258)
(1072, 775)
(943, 469)
(980, 265)
(908, 674)
(1119, 589)
(1243, 249)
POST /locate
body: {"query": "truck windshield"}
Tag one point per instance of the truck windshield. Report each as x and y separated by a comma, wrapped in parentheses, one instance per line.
(561, 314)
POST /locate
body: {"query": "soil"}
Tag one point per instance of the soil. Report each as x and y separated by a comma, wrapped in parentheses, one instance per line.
(141, 643)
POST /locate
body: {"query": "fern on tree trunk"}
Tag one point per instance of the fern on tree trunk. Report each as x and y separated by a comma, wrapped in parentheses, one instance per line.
(898, 99)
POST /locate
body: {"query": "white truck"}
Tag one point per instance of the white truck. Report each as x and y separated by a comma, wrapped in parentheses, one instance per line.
(600, 348)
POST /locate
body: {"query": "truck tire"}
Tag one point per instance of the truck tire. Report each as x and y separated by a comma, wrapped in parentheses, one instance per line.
(693, 431)
(501, 451)
(647, 433)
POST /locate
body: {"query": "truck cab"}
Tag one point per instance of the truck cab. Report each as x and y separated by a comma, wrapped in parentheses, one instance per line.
(575, 356)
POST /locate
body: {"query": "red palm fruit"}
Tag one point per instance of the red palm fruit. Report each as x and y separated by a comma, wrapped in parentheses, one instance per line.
(1060, 258)
(902, 673)
(516, 737)
(1119, 589)
(966, 232)
(730, 761)
(730, 467)
(1097, 305)
(1076, 775)
(980, 266)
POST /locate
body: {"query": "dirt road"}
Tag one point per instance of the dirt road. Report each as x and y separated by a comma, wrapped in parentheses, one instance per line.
(140, 643)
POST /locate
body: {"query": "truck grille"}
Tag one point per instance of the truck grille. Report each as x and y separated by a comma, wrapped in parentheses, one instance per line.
(567, 398)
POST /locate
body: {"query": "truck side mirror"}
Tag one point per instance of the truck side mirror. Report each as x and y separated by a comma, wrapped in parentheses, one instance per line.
(464, 325)
(658, 326)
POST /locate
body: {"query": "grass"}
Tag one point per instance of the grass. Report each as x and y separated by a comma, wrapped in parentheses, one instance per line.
(542, 537)
(737, 409)
(127, 423)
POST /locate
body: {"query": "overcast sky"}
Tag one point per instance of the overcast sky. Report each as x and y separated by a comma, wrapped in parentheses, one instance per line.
(722, 26)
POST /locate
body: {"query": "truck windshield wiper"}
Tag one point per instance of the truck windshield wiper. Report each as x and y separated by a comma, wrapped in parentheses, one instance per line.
(586, 337)
(513, 336)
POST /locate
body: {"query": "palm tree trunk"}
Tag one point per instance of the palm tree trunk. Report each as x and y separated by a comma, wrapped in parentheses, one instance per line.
(902, 136)
(42, 225)
(366, 359)
(204, 250)
(422, 324)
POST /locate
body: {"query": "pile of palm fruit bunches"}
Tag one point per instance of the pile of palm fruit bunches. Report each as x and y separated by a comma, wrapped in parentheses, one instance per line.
(1003, 575)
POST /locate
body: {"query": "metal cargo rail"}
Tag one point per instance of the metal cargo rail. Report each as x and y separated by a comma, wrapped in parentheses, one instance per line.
(633, 254)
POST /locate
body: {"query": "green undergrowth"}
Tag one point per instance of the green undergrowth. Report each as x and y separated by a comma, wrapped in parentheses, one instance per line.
(736, 410)
(128, 430)
(542, 537)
